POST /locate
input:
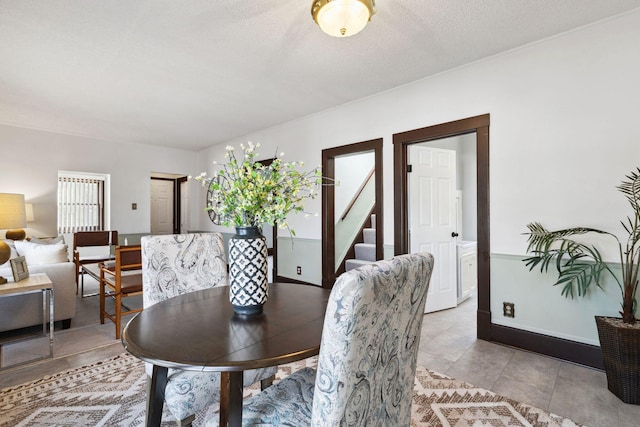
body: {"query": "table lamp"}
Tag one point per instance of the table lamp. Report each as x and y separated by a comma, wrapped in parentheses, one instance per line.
(28, 207)
(12, 215)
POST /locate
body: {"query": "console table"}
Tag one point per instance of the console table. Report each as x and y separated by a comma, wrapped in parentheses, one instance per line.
(34, 283)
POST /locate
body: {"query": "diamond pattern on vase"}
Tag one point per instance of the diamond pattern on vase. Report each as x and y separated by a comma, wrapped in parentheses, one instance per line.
(248, 271)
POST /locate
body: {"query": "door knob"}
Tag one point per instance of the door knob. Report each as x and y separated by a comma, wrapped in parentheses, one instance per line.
(454, 234)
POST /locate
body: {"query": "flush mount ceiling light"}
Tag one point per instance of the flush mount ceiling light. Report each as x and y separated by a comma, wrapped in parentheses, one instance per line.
(342, 18)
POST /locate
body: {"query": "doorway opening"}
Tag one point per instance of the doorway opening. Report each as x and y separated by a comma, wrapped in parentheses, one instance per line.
(169, 203)
(402, 141)
(442, 215)
(335, 213)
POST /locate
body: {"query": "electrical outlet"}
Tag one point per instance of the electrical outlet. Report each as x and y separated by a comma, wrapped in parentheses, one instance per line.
(508, 309)
(134, 206)
(299, 270)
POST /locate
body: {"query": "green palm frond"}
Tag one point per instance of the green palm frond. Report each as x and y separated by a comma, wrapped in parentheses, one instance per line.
(632, 229)
(541, 239)
(578, 265)
(631, 189)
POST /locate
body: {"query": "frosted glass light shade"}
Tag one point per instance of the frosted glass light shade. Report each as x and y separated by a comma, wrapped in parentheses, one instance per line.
(342, 18)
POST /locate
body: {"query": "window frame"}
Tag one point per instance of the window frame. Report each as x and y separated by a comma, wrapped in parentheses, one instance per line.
(102, 203)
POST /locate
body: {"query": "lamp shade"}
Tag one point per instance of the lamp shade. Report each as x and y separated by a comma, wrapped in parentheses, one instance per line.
(28, 207)
(342, 18)
(12, 211)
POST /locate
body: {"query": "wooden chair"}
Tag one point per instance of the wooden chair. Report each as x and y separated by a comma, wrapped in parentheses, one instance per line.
(121, 279)
(368, 353)
(94, 239)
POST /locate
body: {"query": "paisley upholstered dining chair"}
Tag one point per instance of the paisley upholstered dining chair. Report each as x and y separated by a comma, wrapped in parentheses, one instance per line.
(368, 352)
(173, 265)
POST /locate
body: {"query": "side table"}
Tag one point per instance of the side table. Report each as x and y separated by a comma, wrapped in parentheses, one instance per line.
(92, 270)
(34, 283)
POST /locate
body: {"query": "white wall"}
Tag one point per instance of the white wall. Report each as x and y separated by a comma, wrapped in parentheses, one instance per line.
(32, 159)
(350, 173)
(562, 136)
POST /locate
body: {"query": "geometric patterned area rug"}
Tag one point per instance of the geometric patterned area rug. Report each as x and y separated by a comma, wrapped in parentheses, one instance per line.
(112, 393)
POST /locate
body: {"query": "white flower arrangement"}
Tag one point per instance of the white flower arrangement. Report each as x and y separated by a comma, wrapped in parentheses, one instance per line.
(248, 193)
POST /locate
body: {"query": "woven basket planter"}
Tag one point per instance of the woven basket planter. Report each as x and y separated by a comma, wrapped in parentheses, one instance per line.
(620, 345)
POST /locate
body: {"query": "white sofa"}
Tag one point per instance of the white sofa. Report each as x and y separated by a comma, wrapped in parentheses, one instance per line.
(20, 311)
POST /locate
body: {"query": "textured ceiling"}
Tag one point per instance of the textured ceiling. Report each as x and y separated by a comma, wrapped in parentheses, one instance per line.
(192, 73)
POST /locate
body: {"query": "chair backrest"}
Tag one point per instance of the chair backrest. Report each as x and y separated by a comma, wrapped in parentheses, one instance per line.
(128, 258)
(367, 360)
(94, 238)
(179, 263)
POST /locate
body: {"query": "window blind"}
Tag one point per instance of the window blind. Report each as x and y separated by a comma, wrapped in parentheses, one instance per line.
(80, 203)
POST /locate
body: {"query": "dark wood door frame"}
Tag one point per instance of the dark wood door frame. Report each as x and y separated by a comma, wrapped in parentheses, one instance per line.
(401, 143)
(178, 204)
(272, 251)
(177, 196)
(328, 203)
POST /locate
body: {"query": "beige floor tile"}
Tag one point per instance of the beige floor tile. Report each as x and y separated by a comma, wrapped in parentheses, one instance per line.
(582, 375)
(628, 415)
(534, 370)
(522, 392)
(435, 363)
(482, 364)
(591, 405)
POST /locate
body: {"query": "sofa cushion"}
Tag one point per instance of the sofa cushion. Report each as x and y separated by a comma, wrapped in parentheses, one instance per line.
(37, 254)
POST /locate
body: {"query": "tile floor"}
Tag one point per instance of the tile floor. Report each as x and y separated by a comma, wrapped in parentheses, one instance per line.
(448, 346)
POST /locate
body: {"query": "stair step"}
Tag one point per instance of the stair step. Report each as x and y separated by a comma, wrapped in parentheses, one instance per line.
(369, 235)
(366, 251)
(350, 264)
(373, 221)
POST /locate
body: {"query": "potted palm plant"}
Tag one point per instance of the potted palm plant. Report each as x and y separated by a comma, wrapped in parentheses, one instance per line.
(580, 265)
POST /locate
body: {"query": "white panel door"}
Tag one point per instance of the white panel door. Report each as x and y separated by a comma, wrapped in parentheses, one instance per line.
(432, 219)
(161, 206)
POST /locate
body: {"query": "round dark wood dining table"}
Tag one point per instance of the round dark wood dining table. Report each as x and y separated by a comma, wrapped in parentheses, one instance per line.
(199, 331)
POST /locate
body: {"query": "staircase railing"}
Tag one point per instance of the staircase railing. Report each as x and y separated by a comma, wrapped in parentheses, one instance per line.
(358, 193)
(348, 228)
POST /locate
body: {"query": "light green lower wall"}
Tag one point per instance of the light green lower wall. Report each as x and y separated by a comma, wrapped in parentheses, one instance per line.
(292, 252)
(540, 308)
(306, 253)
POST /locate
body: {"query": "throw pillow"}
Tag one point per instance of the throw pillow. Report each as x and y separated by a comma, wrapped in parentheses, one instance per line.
(47, 240)
(42, 254)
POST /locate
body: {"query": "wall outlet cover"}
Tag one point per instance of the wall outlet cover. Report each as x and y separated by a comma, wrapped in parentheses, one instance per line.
(508, 309)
